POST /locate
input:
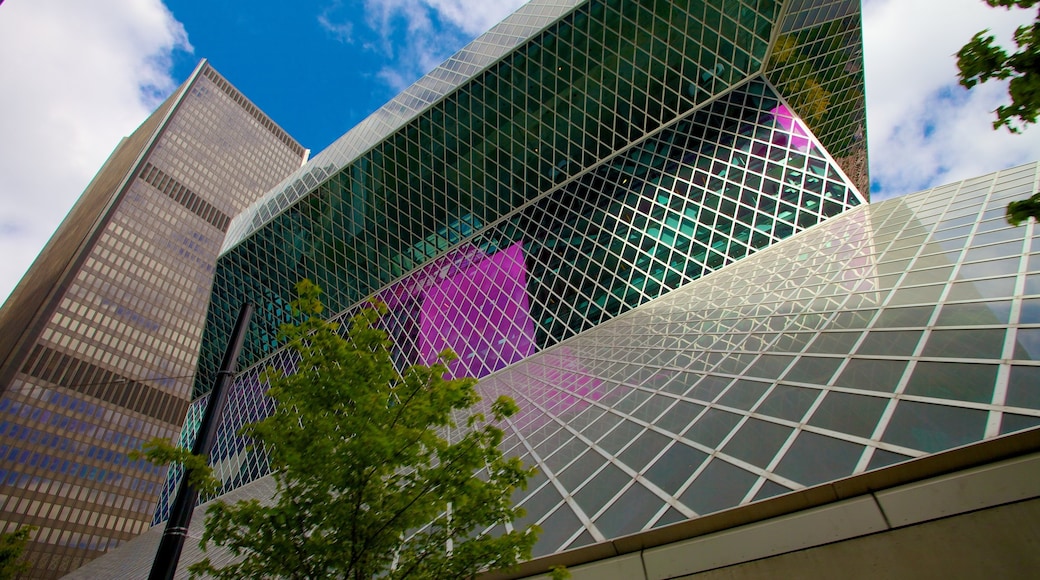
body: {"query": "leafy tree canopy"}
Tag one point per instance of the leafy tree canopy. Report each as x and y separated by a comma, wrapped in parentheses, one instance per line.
(12, 546)
(379, 473)
(981, 60)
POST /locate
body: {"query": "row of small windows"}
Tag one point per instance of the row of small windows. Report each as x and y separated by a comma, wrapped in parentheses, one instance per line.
(257, 114)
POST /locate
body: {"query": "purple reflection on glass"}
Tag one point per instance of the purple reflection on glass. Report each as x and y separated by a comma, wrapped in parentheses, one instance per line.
(482, 313)
(799, 135)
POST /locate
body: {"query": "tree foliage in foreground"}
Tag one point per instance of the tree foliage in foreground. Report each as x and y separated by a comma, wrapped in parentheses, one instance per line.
(981, 60)
(12, 546)
(367, 483)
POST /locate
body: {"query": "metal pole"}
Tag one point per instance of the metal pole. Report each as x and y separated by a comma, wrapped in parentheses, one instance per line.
(169, 553)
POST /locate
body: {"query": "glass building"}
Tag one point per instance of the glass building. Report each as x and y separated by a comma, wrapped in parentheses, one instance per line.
(890, 333)
(578, 161)
(645, 222)
(99, 340)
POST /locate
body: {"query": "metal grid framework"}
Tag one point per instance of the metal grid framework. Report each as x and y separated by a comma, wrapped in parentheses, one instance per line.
(892, 331)
(537, 121)
(725, 181)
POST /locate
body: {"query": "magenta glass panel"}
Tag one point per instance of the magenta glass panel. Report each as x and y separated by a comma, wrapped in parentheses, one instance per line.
(480, 312)
(799, 135)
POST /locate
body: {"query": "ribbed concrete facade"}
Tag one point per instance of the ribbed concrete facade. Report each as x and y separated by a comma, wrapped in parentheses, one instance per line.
(99, 341)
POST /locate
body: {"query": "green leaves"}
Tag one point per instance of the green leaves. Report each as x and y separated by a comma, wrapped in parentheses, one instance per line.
(12, 545)
(374, 475)
(161, 452)
(981, 60)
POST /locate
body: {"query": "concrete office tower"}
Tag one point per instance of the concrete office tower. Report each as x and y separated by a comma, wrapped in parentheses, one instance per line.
(99, 340)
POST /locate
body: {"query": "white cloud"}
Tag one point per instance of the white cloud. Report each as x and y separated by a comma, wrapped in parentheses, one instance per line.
(924, 129)
(76, 76)
(334, 21)
(417, 35)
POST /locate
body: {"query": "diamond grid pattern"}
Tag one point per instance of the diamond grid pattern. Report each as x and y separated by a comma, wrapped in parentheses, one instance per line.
(722, 183)
(837, 351)
(816, 62)
(585, 88)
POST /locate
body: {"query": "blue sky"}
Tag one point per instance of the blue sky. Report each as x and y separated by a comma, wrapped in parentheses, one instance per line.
(78, 76)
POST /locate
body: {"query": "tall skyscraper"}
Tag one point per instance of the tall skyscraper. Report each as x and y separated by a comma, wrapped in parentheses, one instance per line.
(646, 222)
(99, 340)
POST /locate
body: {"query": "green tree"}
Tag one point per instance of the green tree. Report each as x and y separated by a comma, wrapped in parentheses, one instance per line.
(374, 477)
(981, 60)
(11, 548)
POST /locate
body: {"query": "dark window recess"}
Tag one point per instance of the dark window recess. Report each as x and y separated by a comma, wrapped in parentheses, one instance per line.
(184, 196)
(110, 387)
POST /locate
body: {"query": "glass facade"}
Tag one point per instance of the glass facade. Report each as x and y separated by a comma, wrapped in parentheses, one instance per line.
(110, 363)
(895, 330)
(606, 104)
(622, 154)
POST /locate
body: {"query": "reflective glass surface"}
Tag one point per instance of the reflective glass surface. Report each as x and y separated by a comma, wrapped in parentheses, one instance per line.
(747, 383)
(594, 121)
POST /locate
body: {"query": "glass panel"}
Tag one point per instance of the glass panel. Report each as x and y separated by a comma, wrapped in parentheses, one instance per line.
(676, 466)
(770, 489)
(977, 313)
(958, 381)
(884, 458)
(847, 413)
(899, 317)
(769, 366)
(556, 530)
(1011, 423)
(604, 486)
(757, 441)
(1024, 387)
(709, 388)
(642, 450)
(1030, 313)
(872, 375)
(834, 342)
(630, 513)
(743, 394)
(719, 486)
(980, 289)
(814, 459)
(577, 472)
(975, 343)
(712, 427)
(620, 437)
(813, 370)
(789, 403)
(1027, 344)
(933, 428)
(679, 417)
(896, 342)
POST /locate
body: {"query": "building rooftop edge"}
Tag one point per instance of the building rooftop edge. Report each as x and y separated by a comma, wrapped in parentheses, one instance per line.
(474, 58)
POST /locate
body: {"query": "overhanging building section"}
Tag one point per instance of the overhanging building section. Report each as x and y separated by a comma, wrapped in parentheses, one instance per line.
(603, 115)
